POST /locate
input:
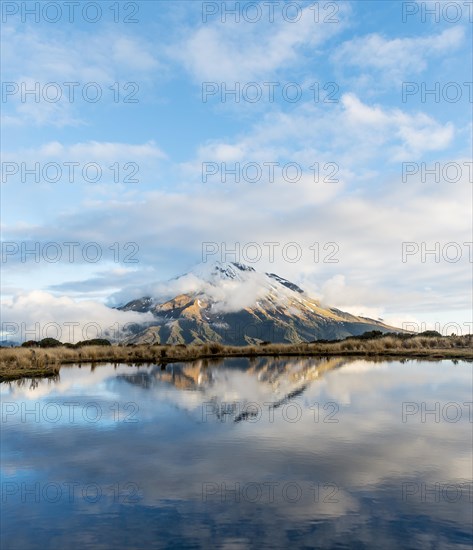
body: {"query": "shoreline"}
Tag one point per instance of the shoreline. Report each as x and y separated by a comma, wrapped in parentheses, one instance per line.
(17, 363)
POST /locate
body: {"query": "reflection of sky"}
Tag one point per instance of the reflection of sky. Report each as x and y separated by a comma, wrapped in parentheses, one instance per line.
(170, 452)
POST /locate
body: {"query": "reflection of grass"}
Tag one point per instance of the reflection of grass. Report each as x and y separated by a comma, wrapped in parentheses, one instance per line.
(19, 362)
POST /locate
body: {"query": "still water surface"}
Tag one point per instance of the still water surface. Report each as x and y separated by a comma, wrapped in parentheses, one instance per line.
(263, 453)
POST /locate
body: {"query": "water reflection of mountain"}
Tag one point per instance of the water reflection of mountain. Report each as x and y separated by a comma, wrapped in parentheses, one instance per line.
(405, 484)
(222, 382)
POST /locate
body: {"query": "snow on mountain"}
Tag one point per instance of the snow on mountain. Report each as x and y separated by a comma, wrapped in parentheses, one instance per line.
(232, 303)
(214, 271)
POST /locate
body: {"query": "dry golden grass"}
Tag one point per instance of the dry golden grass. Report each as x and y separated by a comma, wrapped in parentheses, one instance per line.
(26, 362)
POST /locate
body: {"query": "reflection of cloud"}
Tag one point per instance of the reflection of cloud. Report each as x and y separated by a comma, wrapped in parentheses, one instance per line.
(170, 453)
(75, 380)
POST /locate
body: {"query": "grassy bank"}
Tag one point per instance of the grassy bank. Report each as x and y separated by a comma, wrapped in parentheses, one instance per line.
(24, 362)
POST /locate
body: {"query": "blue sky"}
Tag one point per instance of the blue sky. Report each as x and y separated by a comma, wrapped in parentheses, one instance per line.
(360, 54)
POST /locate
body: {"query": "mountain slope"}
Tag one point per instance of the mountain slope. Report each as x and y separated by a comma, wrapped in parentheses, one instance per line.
(232, 303)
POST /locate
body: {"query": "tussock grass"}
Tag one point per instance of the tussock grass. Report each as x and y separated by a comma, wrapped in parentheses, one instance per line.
(26, 362)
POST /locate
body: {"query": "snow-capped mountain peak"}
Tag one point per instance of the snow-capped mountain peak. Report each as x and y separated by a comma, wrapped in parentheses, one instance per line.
(231, 302)
(214, 271)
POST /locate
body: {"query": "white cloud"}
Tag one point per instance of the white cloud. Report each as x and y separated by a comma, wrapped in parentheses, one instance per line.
(415, 133)
(396, 58)
(379, 220)
(353, 134)
(108, 165)
(226, 295)
(37, 314)
(243, 52)
(98, 150)
(33, 58)
(368, 213)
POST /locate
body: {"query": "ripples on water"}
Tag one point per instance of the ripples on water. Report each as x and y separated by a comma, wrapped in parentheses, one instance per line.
(241, 453)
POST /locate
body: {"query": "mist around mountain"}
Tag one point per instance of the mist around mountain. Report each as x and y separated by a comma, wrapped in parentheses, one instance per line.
(232, 303)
